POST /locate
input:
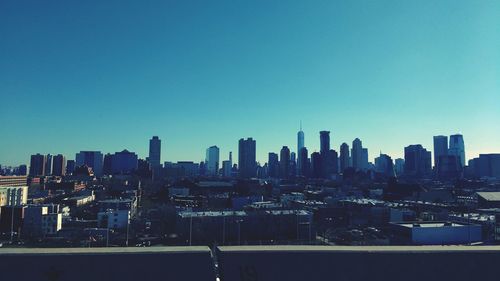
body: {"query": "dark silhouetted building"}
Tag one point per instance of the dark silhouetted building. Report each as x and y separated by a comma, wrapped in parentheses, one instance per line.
(37, 165)
(124, 162)
(154, 158)
(247, 162)
(440, 148)
(273, 165)
(417, 161)
(59, 165)
(304, 162)
(457, 148)
(486, 165)
(384, 165)
(285, 162)
(92, 159)
(324, 139)
(316, 167)
(344, 157)
(70, 167)
(449, 167)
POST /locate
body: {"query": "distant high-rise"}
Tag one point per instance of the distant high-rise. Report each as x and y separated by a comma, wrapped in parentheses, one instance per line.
(70, 167)
(417, 161)
(124, 162)
(154, 158)
(227, 166)
(300, 145)
(48, 165)
(247, 161)
(304, 162)
(344, 157)
(316, 170)
(399, 166)
(273, 165)
(457, 148)
(324, 137)
(330, 164)
(357, 154)
(384, 165)
(212, 160)
(285, 162)
(59, 165)
(37, 165)
(155, 152)
(440, 148)
(92, 159)
(107, 166)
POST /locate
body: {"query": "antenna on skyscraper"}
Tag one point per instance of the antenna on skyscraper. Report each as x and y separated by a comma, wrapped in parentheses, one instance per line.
(301, 125)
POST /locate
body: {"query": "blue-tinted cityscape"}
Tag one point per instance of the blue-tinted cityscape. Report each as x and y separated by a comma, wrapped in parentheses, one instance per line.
(255, 140)
(337, 196)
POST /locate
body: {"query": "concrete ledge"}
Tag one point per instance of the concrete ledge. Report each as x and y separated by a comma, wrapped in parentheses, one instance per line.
(123, 264)
(433, 263)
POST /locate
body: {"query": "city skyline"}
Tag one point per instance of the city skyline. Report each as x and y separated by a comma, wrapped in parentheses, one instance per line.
(391, 73)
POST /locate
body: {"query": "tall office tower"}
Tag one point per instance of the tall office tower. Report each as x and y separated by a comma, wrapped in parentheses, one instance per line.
(316, 170)
(273, 165)
(457, 148)
(364, 159)
(384, 165)
(154, 158)
(107, 166)
(330, 164)
(304, 162)
(124, 162)
(212, 160)
(324, 139)
(285, 162)
(48, 165)
(92, 159)
(59, 165)
(399, 166)
(300, 145)
(418, 161)
(440, 148)
(70, 167)
(357, 154)
(293, 164)
(344, 157)
(37, 165)
(247, 162)
(227, 166)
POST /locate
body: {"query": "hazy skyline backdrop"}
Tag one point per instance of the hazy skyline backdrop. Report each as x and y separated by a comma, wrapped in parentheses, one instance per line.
(108, 75)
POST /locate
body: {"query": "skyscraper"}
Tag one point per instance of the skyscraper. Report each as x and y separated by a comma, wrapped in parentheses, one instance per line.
(273, 165)
(304, 162)
(212, 160)
(457, 148)
(300, 145)
(357, 154)
(155, 152)
(37, 165)
(92, 159)
(285, 162)
(316, 170)
(154, 158)
(59, 165)
(324, 137)
(48, 165)
(247, 162)
(344, 157)
(70, 166)
(330, 164)
(440, 148)
(384, 165)
(124, 162)
(417, 161)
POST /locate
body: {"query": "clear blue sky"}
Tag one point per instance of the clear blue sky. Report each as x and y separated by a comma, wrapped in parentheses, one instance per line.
(107, 75)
